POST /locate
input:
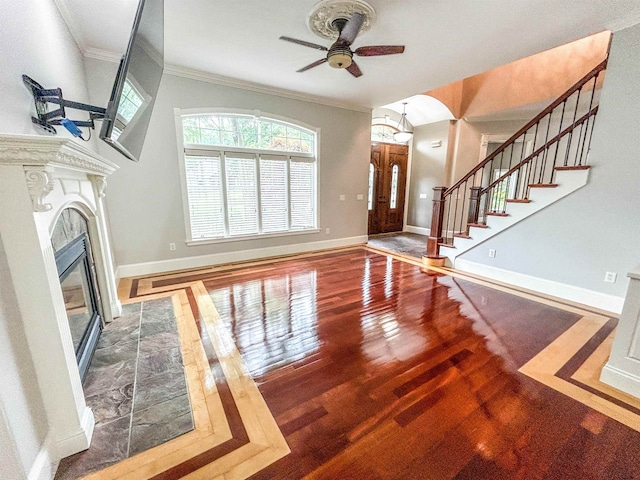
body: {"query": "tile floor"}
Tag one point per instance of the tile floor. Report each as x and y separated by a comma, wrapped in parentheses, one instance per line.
(136, 388)
(405, 243)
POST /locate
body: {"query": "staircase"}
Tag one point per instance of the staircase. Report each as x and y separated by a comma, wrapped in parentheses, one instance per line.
(541, 163)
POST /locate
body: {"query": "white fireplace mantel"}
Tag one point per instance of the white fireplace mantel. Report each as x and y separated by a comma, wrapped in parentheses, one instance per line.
(40, 176)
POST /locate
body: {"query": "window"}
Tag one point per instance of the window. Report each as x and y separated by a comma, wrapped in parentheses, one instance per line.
(246, 131)
(133, 102)
(247, 177)
(394, 187)
(383, 133)
(371, 179)
(503, 190)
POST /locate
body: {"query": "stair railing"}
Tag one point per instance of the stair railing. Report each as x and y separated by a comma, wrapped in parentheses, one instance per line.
(558, 138)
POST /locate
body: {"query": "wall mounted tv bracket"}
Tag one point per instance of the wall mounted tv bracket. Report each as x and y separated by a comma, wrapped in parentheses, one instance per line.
(49, 119)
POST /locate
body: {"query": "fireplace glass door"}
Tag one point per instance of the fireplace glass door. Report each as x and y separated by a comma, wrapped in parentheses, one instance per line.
(80, 299)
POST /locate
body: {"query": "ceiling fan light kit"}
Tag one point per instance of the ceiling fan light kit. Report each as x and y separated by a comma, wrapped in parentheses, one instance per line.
(343, 21)
(340, 58)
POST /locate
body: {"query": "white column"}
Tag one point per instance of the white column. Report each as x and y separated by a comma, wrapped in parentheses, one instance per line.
(35, 280)
(104, 265)
(622, 371)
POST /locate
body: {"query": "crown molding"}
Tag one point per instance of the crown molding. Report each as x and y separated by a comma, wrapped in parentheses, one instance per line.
(255, 87)
(41, 151)
(201, 76)
(103, 55)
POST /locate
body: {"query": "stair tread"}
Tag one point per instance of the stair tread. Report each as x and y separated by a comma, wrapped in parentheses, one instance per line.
(461, 235)
(448, 245)
(543, 185)
(478, 225)
(574, 167)
(518, 200)
(498, 214)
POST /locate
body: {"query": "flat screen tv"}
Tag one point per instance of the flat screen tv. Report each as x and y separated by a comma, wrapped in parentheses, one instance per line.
(136, 85)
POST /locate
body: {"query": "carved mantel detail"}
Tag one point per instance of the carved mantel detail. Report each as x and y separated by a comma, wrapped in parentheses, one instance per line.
(99, 183)
(40, 184)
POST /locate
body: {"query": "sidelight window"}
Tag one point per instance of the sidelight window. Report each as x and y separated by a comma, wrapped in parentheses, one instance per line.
(371, 180)
(393, 198)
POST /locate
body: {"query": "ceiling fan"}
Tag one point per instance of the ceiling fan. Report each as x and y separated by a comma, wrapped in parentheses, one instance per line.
(340, 55)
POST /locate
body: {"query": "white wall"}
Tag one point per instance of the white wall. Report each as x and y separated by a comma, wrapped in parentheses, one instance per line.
(596, 229)
(34, 41)
(145, 200)
(19, 395)
(427, 171)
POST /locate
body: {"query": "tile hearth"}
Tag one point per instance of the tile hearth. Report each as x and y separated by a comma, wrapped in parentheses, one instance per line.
(136, 388)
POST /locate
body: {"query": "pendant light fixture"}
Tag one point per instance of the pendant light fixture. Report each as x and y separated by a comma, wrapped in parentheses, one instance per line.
(404, 133)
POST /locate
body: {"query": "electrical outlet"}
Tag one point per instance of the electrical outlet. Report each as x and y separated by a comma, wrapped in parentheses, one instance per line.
(359, 197)
(342, 198)
(492, 253)
(610, 277)
(172, 246)
(328, 231)
(423, 195)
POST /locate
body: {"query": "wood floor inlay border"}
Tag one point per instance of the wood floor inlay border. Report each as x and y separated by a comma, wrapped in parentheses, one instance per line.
(573, 362)
(234, 433)
(248, 439)
(572, 365)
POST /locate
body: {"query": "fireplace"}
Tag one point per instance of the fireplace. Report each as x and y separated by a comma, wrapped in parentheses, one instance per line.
(76, 270)
(61, 271)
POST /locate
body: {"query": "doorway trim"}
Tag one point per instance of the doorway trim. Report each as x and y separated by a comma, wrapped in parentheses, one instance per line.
(488, 138)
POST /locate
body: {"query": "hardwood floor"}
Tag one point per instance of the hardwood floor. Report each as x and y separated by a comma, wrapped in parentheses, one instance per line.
(374, 367)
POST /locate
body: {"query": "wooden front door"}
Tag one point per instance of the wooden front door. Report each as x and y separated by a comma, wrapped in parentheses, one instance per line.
(387, 182)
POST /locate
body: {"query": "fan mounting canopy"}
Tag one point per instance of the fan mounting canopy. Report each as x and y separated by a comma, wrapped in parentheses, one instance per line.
(323, 17)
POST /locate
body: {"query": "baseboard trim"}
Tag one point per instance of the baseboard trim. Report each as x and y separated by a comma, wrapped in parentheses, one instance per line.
(621, 380)
(572, 293)
(78, 441)
(418, 230)
(150, 268)
(45, 465)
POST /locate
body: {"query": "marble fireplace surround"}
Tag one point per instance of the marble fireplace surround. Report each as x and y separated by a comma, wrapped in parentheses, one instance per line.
(39, 178)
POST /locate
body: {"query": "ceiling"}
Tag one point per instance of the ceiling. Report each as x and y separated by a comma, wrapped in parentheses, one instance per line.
(445, 40)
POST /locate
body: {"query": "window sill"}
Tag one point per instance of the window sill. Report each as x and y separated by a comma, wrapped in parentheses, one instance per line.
(238, 238)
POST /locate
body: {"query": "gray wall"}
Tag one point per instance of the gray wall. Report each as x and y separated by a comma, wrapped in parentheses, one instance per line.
(596, 229)
(427, 171)
(145, 199)
(35, 41)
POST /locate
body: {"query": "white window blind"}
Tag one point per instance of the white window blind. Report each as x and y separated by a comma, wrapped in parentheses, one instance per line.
(242, 197)
(205, 197)
(264, 183)
(273, 194)
(301, 179)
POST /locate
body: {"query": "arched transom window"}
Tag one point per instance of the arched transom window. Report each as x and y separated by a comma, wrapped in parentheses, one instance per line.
(383, 133)
(246, 131)
(247, 176)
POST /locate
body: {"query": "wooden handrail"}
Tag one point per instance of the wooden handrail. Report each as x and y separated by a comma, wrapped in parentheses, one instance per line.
(584, 80)
(541, 149)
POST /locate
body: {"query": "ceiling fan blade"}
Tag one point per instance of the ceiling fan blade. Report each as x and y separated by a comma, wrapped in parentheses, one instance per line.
(375, 50)
(354, 70)
(311, 65)
(302, 42)
(352, 28)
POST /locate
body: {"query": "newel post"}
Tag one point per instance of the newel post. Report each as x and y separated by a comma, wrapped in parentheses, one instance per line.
(437, 216)
(474, 205)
